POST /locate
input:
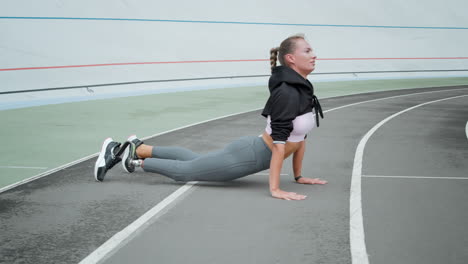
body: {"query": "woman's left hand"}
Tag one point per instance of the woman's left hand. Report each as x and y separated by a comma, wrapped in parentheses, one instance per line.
(304, 180)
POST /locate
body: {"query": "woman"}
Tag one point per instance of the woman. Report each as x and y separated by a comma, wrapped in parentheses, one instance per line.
(289, 118)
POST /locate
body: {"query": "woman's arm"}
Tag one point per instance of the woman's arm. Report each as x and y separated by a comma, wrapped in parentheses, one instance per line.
(275, 170)
(298, 156)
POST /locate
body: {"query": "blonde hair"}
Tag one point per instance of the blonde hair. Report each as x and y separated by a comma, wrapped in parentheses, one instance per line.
(287, 47)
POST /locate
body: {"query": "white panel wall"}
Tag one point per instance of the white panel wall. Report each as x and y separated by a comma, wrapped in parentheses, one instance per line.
(48, 42)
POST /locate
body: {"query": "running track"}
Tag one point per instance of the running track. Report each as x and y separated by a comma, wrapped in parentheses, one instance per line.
(413, 167)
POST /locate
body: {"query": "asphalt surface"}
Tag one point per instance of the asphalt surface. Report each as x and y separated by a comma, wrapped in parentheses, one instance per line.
(421, 215)
(64, 217)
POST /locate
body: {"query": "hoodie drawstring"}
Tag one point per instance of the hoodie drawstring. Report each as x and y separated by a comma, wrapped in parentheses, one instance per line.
(318, 109)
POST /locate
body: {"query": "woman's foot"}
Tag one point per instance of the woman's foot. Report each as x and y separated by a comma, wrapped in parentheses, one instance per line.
(108, 157)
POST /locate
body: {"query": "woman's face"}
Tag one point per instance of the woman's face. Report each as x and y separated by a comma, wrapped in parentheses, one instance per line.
(303, 58)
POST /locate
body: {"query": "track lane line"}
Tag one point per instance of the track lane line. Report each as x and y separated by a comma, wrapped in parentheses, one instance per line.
(466, 129)
(357, 236)
(116, 241)
(119, 239)
(266, 174)
(414, 177)
(23, 167)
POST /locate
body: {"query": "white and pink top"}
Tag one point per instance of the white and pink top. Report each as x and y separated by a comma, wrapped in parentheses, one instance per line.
(302, 124)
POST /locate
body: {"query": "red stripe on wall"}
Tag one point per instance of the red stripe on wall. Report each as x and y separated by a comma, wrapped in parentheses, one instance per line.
(211, 61)
(121, 64)
(429, 58)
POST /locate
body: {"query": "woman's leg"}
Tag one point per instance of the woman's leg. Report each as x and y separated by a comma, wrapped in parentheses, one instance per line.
(238, 159)
(173, 153)
(136, 152)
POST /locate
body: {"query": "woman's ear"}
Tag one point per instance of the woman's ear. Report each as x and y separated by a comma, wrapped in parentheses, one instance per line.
(290, 59)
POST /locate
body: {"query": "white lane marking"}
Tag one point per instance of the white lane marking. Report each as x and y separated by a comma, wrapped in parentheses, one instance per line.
(119, 239)
(266, 174)
(392, 97)
(112, 245)
(357, 236)
(466, 129)
(23, 167)
(415, 177)
(11, 186)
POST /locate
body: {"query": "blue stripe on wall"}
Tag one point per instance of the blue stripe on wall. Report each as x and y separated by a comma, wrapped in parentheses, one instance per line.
(228, 22)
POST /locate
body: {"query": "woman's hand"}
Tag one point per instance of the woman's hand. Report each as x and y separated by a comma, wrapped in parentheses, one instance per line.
(287, 195)
(304, 180)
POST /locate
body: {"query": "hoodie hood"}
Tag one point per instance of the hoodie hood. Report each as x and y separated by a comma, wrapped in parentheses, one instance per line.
(286, 86)
(284, 74)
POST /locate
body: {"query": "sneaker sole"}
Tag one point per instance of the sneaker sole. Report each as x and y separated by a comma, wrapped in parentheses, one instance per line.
(101, 162)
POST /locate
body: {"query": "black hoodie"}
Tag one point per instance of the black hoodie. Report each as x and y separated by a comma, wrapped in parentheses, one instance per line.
(290, 95)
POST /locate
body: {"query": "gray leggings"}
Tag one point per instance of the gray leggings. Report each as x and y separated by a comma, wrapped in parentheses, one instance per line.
(240, 158)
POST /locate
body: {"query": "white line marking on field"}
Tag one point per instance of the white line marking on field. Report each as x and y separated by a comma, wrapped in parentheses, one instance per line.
(391, 97)
(415, 177)
(357, 237)
(267, 174)
(11, 186)
(127, 233)
(466, 129)
(23, 167)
